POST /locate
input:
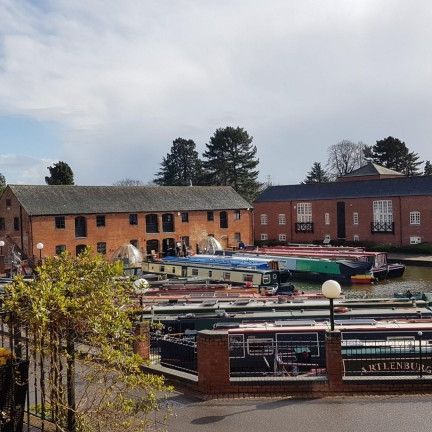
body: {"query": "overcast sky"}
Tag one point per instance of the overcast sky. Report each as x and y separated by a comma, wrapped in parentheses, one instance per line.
(107, 85)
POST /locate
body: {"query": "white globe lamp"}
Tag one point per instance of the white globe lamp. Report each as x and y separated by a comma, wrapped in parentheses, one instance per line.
(331, 290)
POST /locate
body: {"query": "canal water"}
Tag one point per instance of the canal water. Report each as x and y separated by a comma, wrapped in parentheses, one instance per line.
(415, 279)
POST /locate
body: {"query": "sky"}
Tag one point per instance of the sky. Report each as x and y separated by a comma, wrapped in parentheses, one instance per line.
(107, 85)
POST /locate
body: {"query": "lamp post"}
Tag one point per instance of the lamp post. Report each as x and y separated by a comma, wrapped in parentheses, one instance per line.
(40, 246)
(331, 290)
(140, 287)
(2, 243)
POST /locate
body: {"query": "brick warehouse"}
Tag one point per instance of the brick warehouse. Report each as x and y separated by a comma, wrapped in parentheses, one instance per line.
(106, 217)
(372, 204)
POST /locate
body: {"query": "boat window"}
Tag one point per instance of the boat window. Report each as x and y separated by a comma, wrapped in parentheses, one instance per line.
(227, 276)
(210, 273)
(194, 272)
(260, 347)
(162, 268)
(248, 278)
(274, 276)
(173, 270)
(266, 279)
(400, 338)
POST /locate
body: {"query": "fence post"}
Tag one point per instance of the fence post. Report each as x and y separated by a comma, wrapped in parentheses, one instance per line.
(334, 362)
(420, 334)
(213, 361)
(142, 339)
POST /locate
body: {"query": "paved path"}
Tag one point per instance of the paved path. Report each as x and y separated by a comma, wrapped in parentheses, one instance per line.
(342, 414)
(422, 260)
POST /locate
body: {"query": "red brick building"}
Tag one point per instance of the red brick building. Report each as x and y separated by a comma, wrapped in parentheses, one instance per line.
(372, 204)
(106, 217)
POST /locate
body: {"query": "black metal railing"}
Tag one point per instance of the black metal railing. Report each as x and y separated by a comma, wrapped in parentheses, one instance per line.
(178, 353)
(405, 357)
(304, 227)
(256, 358)
(382, 227)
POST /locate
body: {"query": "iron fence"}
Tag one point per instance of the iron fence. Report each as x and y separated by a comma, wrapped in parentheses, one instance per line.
(255, 358)
(390, 357)
(174, 352)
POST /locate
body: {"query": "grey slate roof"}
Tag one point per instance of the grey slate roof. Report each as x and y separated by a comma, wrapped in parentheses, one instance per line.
(59, 200)
(372, 169)
(405, 186)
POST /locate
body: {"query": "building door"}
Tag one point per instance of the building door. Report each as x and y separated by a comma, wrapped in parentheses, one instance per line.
(168, 247)
(341, 231)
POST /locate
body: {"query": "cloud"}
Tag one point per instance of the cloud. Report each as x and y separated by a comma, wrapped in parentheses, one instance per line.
(126, 78)
(20, 169)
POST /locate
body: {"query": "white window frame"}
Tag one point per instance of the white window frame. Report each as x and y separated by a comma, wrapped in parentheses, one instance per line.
(304, 212)
(355, 218)
(356, 238)
(264, 236)
(282, 237)
(282, 219)
(383, 211)
(264, 219)
(415, 218)
(327, 218)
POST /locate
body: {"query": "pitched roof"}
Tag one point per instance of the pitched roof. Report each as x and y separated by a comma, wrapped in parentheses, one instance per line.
(53, 200)
(405, 186)
(372, 169)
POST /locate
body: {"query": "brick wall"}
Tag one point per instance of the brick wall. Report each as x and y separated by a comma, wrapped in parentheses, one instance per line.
(402, 206)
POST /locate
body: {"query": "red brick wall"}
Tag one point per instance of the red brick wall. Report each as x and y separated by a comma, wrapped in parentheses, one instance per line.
(402, 206)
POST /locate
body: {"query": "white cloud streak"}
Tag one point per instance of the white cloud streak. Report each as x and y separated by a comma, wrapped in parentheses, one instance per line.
(126, 78)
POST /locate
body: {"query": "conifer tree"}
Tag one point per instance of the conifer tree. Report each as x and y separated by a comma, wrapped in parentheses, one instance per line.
(427, 169)
(60, 174)
(317, 174)
(230, 160)
(181, 166)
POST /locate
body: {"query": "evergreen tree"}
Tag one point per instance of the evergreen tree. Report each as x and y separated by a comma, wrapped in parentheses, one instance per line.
(2, 183)
(427, 169)
(181, 166)
(393, 153)
(316, 175)
(60, 174)
(230, 160)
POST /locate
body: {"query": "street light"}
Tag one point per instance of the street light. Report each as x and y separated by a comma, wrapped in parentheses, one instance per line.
(331, 290)
(40, 246)
(2, 243)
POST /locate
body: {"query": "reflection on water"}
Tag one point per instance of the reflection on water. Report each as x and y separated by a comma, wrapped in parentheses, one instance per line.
(414, 279)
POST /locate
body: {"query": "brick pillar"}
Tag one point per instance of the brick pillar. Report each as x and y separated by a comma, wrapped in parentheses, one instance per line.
(142, 339)
(213, 361)
(2, 264)
(334, 360)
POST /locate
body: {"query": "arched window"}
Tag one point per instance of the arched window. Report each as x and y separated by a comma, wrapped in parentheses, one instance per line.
(80, 226)
(152, 245)
(152, 223)
(168, 222)
(80, 248)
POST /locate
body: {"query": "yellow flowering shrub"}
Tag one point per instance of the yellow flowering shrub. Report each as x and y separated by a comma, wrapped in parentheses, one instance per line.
(5, 356)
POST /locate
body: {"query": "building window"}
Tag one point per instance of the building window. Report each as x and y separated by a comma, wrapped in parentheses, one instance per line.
(383, 211)
(134, 243)
(264, 219)
(237, 214)
(101, 248)
(415, 218)
(80, 249)
(16, 223)
(237, 237)
(223, 222)
(8, 202)
(2, 224)
(60, 222)
(356, 238)
(60, 249)
(133, 219)
(80, 227)
(304, 212)
(152, 224)
(167, 222)
(282, 219)
(282, 237)
(185, 217)
(264, 236)
(327, 218)
(210, 216)
(152, 246)
(355, 218)
(100, 220)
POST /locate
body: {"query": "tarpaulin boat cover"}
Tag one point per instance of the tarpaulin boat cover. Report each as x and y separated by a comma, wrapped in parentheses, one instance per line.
(129, 255)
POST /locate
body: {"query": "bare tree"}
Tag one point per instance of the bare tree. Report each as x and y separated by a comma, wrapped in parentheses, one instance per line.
(345, 157)
(128, 182)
